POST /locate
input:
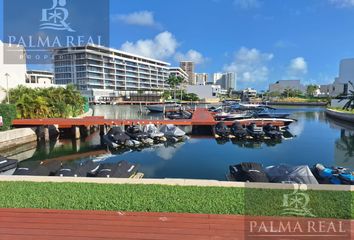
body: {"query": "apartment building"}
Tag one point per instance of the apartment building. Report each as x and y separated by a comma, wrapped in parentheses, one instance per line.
(201, 78)
(105, 72)
(189, 68)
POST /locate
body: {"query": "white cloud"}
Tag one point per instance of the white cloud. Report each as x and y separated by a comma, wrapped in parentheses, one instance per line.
(247, 4)
(163, 46)
(191, 55)
(297, 67)
(250, 65)
(142, 18)
(342, 3)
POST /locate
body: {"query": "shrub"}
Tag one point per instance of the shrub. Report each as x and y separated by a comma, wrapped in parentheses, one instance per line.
(8, 113)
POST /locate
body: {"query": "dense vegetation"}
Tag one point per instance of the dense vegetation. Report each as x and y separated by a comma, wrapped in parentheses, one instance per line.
(8, 113)
(158, 198)
(55, 102)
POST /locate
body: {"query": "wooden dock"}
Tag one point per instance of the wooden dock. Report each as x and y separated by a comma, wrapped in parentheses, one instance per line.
(201, 117)
(28, 224)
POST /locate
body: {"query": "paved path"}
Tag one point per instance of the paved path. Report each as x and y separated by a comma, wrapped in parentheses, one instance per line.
(23, 224)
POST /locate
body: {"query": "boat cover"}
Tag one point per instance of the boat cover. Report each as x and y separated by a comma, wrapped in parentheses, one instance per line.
(249, 172)
(84, 169)
(222, 130)
(153, 131)
(121, 169)
(171, 130)
(117, 135)
(7, 164)
(284, 173)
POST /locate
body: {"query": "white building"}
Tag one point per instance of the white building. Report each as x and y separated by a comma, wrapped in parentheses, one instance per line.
(201, 78)
(217, 77)
(209, 93)
(281, 85)
(178, 72)
(14, 73)
(249, 93)
(39, 77)
(341, 84)
(110, 71)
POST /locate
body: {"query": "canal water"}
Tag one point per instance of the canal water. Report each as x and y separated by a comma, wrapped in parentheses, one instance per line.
(317, 139)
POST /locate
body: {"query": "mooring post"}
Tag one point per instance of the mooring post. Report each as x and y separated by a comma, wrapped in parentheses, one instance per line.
(102, 128)
(76, 132)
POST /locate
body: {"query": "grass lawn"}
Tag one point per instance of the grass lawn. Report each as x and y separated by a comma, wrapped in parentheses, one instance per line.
(158, 198)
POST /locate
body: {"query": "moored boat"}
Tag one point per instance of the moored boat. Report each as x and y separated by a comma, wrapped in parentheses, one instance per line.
(221, 130)
(173, 133)
(255, 132)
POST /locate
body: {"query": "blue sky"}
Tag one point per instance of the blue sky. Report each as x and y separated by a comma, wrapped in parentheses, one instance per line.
(261, 40)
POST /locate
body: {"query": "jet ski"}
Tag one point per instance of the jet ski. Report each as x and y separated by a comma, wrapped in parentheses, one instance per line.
(116, 137)
(272, 132)
(138, 135)
(268, 112)
(84, 169)
(7, 164)
(173, 133)
(248, 172)
(121, 169)
(42, 169)
(254, 131)
(154, 133)
(334, 175)
(221, 130)
(238, 131)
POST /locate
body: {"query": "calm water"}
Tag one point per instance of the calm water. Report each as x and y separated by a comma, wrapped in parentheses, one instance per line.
(318, 140)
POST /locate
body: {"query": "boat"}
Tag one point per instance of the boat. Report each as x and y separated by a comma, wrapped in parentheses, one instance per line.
(221, 130)
(233, 116)
(7, 164)
(283, 122)
(181, 114)
(333, 175)
(289, 174)
(48, 169)
(272, 132)
(255, 132)
(154, 133)
(173, 133)
(122, 169)
(160, 108)
(238, 131)
(268, 112)
(116, 137)
(248, 172)
(83, 169)
(135, 133)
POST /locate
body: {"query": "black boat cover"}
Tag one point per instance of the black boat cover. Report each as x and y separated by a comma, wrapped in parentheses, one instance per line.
(221, 129)
(7, 164)
(48, 169)
(84, 169)
(121, 169)
(117, 135)
(249, 172)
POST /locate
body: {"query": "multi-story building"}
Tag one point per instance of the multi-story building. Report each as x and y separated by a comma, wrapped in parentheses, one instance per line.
(227, 81)
(217, 77)
(189, 67)
(178, 72)
(105, 72)
(12, 67)
(281, 85)
(39, 77)
(201, 78)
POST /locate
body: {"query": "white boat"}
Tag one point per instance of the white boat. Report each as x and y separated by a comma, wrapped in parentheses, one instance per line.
(163, 107)
(265, 121)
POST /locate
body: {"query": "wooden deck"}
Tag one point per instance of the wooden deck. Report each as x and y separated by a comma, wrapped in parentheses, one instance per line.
(201, 117)
(23, 224)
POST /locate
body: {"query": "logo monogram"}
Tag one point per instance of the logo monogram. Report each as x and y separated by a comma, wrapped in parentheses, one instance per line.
(297, 202)
(55, 17)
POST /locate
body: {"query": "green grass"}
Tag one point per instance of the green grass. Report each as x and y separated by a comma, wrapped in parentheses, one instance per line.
(156, 198)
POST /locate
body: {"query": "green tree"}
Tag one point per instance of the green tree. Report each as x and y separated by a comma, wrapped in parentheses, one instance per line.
(174, 82)
(350, 99)
(311, 90)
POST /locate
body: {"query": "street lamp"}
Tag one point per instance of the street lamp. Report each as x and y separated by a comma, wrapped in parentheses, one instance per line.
(7, 87)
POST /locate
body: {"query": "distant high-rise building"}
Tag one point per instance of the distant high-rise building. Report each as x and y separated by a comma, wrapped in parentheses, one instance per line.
(225, 80)
(188, 67)
(217, 77)
(201, 78)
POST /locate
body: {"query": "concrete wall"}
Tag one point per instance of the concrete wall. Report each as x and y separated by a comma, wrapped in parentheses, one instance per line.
(349, 117)
(17, 137)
